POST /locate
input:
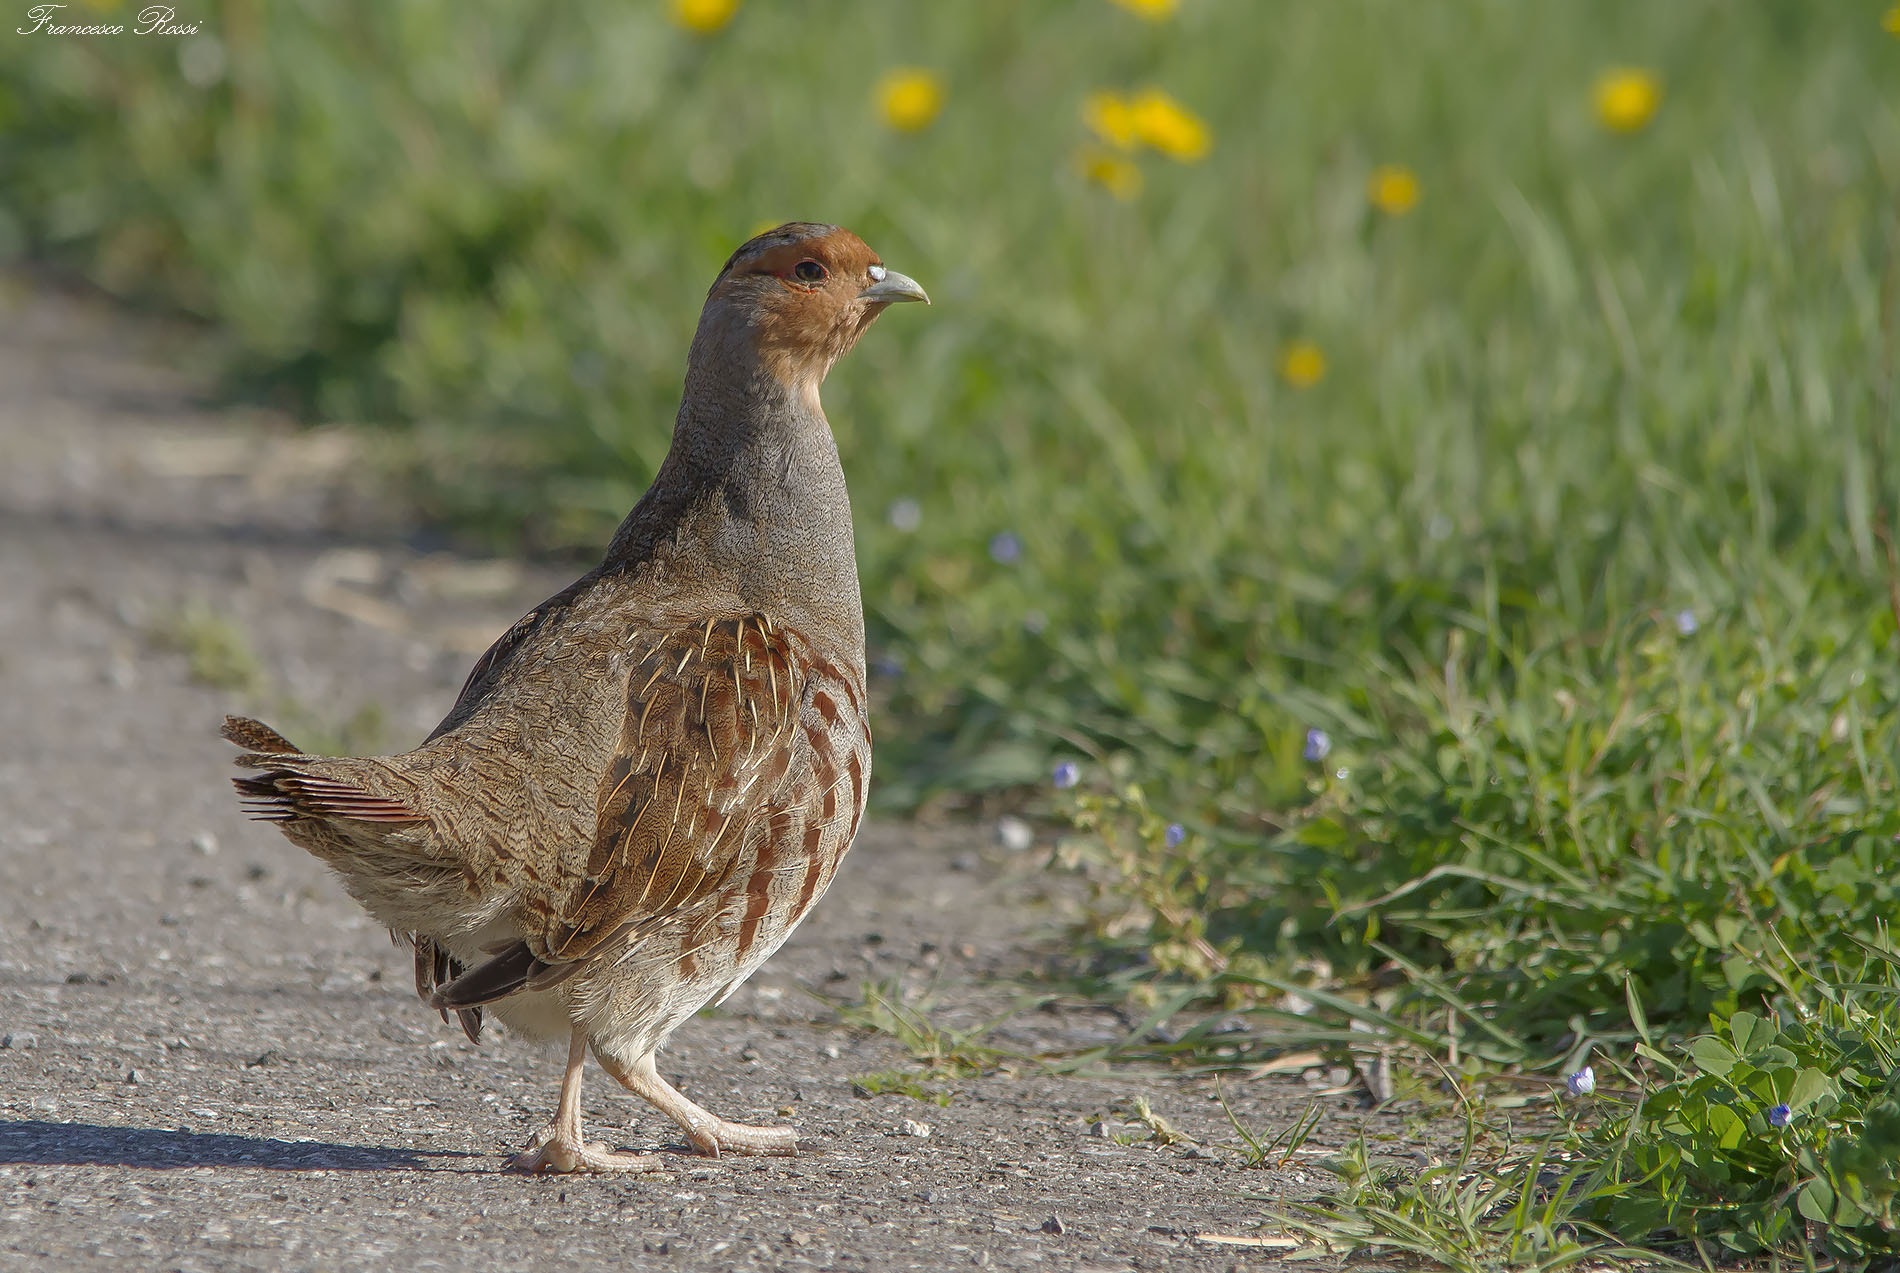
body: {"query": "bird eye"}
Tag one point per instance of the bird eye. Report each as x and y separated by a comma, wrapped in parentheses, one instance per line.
(809, 272)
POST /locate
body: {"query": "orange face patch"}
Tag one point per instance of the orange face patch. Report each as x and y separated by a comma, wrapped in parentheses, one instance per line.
(813, 314)
(837, 253)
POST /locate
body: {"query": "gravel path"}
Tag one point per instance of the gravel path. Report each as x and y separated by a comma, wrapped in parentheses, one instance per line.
(210, 1059)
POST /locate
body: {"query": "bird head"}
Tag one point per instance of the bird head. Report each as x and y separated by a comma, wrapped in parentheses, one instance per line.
(801, 295)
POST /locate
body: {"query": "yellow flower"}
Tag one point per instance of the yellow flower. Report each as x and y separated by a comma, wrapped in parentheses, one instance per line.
(1115, 173)
(1302, 364)
(1111, 118)
(1153, 10)
(703, 17)
(1626, 98)
(910, 98)
(1170, 127)
(1890, 20)
(1393, 189)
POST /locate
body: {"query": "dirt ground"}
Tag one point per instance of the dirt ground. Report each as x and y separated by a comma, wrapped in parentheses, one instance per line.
(210, 1059)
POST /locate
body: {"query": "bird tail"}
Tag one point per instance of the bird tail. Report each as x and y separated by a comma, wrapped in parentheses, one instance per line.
(293, 785)
(359, 816)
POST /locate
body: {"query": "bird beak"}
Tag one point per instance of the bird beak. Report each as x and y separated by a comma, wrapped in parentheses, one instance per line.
(894, 287)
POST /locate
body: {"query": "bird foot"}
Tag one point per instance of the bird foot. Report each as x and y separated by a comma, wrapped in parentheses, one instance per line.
(718, 1136)
(558, 1153)
(710, 1134)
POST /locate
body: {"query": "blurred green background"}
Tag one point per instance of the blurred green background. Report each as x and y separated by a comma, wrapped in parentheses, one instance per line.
(1504, 390)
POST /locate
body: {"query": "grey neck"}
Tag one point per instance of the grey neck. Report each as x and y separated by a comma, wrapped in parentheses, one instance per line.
(751, 498)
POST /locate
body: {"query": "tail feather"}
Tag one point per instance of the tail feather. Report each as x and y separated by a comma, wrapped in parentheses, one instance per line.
(255, 735)
(513, 967)
(495, 978)
(282, 795)
(290, 786)
(434, 966)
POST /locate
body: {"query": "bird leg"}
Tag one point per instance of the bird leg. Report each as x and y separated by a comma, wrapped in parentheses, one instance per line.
(559, 1147)
(708, 1132)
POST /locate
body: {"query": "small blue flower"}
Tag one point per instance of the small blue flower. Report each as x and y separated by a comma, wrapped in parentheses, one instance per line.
(1066, 775)
(1005, 548)
(1685, 622)
(1780, 1116)
(1317, 745)
(1583, 1082)
(1175, 834)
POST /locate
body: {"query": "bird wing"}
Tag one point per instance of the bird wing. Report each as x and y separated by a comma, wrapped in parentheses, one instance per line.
(709, 736)
(487, 670)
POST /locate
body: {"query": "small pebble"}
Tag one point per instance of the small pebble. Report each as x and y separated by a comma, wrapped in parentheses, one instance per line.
(24, 1040)
(831, 1051)
(204, 843)
(133, 1077)
(1014, 834)
(1054, 1225)
(911, 1127)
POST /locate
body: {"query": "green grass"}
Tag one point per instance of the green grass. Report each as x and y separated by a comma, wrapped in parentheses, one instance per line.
(1581, 553)
(1761, 1139)
(218, 652)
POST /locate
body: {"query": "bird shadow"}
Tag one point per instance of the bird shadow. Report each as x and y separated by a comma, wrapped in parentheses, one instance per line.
(89, 1145)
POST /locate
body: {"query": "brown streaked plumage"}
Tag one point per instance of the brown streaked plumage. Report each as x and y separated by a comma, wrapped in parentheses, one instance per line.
(649, 780)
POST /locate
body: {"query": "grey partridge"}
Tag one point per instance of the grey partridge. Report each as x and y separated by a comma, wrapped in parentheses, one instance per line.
(647, 782)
